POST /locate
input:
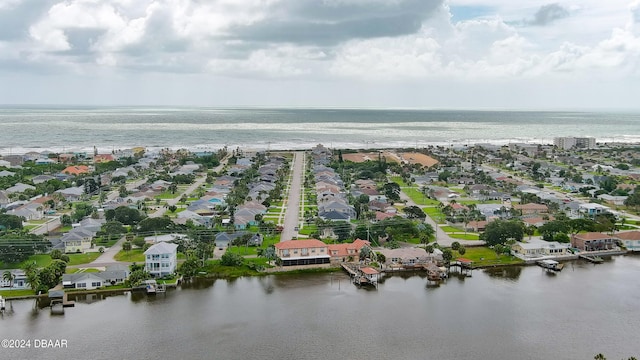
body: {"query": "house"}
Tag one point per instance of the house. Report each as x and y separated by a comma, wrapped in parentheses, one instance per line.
(19, 188)
(4, 173)
(76, 170)
(630, 239)
(347, 252)
(536, 249)
(103, 158)
(41, 179)
(4, 199)
(91, 281)
(302, 252)
(77, 240)
(613, 200)
(161, 259)
(19, 280)
(592, 209)
(531, 209)
(72, 193)
(407, 257)
(84, 280)
(593, 241)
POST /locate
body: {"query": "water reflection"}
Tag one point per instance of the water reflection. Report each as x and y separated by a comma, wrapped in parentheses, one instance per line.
(505, 272)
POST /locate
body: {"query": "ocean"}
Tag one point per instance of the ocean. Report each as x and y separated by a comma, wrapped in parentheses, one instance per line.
(67, 129)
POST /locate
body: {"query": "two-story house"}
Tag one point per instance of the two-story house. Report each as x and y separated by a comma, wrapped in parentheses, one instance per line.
(160, 259)
(302, 252)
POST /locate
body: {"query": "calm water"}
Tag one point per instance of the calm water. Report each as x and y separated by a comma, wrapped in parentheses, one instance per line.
(109, 128)
(512, 313)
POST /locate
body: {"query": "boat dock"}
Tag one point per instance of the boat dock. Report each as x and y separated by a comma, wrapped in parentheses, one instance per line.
(592, 258)
(2, 304)
(59, 301)
(362, 275)
(550, 265)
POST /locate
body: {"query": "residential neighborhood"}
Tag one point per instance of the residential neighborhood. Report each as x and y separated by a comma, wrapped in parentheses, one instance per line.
(118, 219)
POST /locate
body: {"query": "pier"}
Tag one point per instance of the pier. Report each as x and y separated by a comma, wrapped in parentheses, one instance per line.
(462, 266)
(592, 258)
(362, 275)
(59, 301)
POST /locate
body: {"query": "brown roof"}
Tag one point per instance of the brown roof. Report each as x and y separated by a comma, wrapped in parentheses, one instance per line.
(369, 270)
(592, 236)
(531, 206)
(300, 244)
(629, 235)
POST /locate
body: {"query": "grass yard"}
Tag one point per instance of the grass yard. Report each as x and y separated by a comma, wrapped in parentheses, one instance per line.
(134, 255)
(79, 259)
(41, 260)
(450, 229)
(467, 236)
(16, 292)
(484, 256)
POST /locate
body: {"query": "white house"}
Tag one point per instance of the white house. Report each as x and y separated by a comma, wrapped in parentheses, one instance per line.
(161, 259)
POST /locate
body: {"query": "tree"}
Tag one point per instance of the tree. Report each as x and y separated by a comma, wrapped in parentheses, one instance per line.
(7, 276)
(55, 254)
(391, 191)
(429, 249)
(126, 246)
(139, 242)
(189, 268)
(447, 255)
(138, 276)
(10, 222)
(112, 229)
(455, 245)
(32, 273)
(161, 224)
(414, 212)
(231, 259)
(633, 200)
(500, 231)
(127, 215)
(462, 250)
(173, 208)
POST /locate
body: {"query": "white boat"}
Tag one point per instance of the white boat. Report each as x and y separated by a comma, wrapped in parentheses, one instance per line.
(551, 265)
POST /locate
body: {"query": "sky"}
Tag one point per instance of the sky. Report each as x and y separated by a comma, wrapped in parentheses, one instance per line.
(453, 54)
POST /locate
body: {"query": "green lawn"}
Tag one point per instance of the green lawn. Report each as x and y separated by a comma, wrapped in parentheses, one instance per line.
(167, 195)
(79, 259)
(450, 229)
(418, 197)
(483, 256)
(133, 255)
(308, 230)
(467, 236)
(435, 214)
(17, 292)
(41, 260)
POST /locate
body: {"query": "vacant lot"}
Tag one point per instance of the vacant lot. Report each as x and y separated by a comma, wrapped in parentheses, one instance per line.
(417, 158)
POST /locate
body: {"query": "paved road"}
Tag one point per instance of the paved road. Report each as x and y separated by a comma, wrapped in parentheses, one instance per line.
(292, 215)
(196, 184)
(441, 237)
(50, 225)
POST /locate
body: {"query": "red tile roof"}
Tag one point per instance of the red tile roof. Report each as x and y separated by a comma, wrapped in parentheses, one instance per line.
(592, 236)
(76, 170)
(343, 249)
(369, 270)
(300, 244)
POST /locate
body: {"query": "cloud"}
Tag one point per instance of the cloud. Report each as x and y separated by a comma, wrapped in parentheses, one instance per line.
(547, 14)
(330, 22)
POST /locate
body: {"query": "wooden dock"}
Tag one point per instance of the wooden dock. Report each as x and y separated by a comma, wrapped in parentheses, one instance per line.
(362, 275)
(592, 258)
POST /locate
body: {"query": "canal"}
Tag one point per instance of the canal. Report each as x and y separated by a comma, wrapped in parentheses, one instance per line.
(500, 313)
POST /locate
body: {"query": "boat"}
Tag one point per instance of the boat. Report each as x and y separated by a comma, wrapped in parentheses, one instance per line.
(2, 304)
(551, 265)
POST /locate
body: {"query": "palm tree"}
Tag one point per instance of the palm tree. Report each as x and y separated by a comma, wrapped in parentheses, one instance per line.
(32, 273)
(8, 277)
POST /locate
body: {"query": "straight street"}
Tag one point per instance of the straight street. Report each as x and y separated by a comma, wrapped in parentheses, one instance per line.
(292, 214)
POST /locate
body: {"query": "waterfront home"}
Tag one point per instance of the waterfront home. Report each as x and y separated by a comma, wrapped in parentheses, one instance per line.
(593, 241)
(161, 259)
(302, 252)
(408, 257)
(630, 239)
(4, 199)
(347, 251)
(19, 280)
(90, 281)
(535, 249)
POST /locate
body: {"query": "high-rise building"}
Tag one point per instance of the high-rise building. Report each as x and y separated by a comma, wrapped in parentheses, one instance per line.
(567, 143)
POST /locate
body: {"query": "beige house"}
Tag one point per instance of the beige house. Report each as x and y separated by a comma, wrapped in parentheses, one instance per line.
(302, 252)
(593, 241)
(540, 248)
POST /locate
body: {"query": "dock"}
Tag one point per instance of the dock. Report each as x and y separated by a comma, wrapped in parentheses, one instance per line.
(362, 275)
(462, 266)
(59, 301)
(550, 265)
(592, 258)
(2, 304)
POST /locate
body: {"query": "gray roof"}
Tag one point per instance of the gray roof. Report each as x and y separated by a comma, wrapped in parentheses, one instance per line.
(161, 248)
